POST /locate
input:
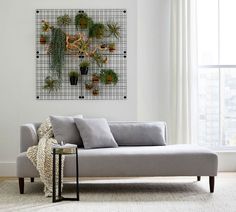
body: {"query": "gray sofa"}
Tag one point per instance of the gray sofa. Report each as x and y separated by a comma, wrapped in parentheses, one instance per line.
(125, 161)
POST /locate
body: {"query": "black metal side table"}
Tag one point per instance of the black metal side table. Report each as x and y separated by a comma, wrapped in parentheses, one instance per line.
(63, 150)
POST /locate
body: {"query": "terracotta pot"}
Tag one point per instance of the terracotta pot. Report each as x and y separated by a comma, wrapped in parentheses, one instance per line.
(42, 40)
(95, 92)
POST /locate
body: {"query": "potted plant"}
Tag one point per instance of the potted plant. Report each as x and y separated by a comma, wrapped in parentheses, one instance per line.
(88, 85)
(63, 20)
(82, 21)
(84, 65)
(95, 78)
(108, 76)
(96, 91)
(113, 29)
(51, 84)
(112, 47)
(43, 39)
(97, 30)
(74, 75)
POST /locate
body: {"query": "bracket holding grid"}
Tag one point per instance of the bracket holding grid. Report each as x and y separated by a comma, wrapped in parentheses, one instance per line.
(117, 60)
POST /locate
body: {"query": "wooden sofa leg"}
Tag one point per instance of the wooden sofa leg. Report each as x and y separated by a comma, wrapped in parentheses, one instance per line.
(198, 178)
(31, 179)
(212, 183)
(21, 185)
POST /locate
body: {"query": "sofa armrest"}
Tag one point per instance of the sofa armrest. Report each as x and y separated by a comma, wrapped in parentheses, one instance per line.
(28, 136)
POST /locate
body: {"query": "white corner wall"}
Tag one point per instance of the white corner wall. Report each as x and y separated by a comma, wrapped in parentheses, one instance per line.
(17, 75)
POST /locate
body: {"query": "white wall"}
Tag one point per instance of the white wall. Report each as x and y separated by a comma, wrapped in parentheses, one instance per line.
(17, 75)
(153, 55)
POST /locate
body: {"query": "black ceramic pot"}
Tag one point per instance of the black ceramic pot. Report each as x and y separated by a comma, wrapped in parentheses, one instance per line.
(73, 80)
(84, 70)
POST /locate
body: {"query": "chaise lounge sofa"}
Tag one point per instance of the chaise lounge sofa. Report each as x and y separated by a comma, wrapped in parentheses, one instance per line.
(128, 160)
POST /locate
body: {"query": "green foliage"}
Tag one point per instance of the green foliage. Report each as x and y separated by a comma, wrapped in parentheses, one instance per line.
(57, 50)
(51, 84)
(108, 76)
(74, 74)
(98, 58)
(82, 21)
(63, 20)
(113, 29)
(97, 30)
(84, 64)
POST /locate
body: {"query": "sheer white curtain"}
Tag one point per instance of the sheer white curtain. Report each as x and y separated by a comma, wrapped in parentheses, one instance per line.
(183, 78)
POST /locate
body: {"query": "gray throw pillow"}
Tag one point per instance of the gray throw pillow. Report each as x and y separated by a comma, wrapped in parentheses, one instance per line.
(95, 133)
(64, 129)
(139, 133)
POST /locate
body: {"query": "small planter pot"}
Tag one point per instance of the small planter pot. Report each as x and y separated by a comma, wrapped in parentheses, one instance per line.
(112, 49)
(88, 85)
(109, 80)
(73, 80)
(42, 40)
(95, 92)
(95, 78)
(83, 70)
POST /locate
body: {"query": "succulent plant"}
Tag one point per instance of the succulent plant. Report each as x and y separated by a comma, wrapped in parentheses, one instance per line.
(82, 21)
(108, 76)
(97, 30)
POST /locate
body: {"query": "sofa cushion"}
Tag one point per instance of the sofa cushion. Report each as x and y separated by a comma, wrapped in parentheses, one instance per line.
(125, 161)
(95, 133)
(64, 129)
(139, 134)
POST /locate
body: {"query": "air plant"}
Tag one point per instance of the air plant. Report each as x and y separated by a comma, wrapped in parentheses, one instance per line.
(113, 29)
(51, 84)
(99, 59)
(46, 26)
(63, 20)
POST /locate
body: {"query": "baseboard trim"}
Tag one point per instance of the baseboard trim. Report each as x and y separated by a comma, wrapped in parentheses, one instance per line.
(7, 169)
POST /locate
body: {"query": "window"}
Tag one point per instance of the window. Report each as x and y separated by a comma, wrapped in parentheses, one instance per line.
(216, 34)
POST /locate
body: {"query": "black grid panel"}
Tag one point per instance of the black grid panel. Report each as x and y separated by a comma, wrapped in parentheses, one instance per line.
(116, 60)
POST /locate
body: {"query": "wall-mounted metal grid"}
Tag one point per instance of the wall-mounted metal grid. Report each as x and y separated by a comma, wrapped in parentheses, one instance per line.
(116, 60)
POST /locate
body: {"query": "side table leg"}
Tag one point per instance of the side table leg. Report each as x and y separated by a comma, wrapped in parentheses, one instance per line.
(54, 177)
(77, 175)
(59, 176)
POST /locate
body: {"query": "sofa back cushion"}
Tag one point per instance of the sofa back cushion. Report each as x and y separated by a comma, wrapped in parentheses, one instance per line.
(139, 133)
(64, 129)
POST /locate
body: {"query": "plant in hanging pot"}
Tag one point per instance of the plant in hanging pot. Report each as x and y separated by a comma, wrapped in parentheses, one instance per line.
(84, 65)
(108, 76)
(51, 84)
(96, 91)
(95, 78)
(74, 75)
(112, 47)
(97, 30)
(82, 21)
(43, 39)
(88, 85)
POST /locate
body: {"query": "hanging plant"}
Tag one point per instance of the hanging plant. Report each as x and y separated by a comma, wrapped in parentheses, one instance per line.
(84, 65)
(113, 29)
(108, 76)
(63, 20)
(88, 85)
(51, 84)
(95, 78)
(57, 50)
(97, 31)
(95, 91)
(82, 21)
